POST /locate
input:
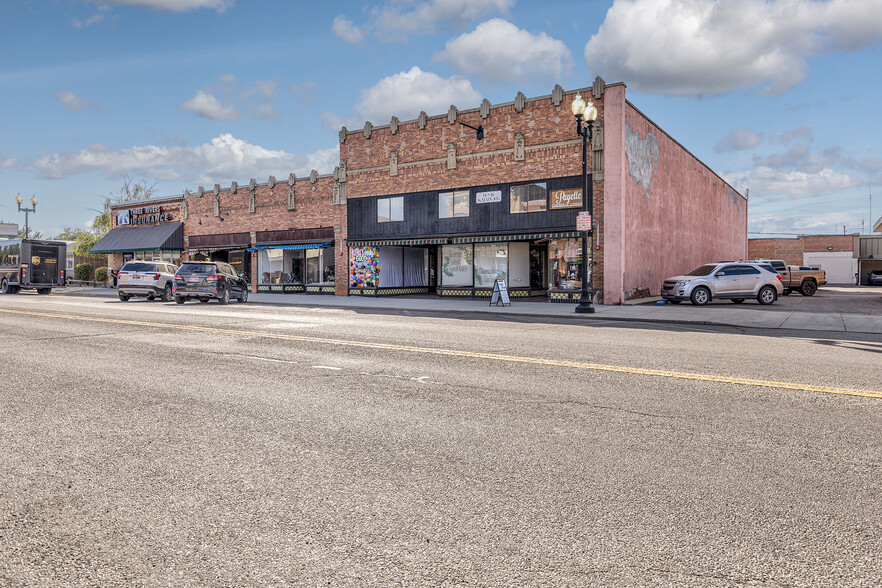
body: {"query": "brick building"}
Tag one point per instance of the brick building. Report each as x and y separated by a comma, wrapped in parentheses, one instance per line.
(433, 209)
(835, 254)
(425, 206)
(285, 236)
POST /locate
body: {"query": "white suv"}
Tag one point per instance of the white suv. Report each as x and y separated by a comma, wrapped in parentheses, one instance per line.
(146, 278)
(735, 280)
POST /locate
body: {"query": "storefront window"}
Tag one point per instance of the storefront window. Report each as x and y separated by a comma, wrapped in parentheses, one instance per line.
(327, 264)
(565, 263)
(313, 266)
(456, 265)
(529, 197)
(491, 264)
(166, 256)
(280, 266)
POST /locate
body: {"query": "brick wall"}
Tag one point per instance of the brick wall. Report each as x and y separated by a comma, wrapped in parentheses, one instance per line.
(551, 149)
(314, 208)
(792, 250)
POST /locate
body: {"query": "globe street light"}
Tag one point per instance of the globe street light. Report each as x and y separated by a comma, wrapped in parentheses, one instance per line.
(589, 113)
(26, 210)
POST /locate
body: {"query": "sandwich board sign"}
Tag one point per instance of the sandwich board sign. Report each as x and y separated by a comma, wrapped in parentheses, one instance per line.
(500, 294)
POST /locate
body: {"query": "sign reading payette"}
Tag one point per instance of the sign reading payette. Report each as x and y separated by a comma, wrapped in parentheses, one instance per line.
(571, 198)
(487, 197)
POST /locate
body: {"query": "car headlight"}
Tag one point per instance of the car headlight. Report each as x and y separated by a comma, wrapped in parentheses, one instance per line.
(683, 283)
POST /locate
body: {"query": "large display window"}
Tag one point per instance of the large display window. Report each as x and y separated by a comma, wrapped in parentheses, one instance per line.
(295, 266)
(491, 264)
(565, 264)
(456, 265)
(166, 256)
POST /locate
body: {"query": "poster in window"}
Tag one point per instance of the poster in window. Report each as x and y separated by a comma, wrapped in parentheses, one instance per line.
(456, 265)
(491, 263)
(364, 268)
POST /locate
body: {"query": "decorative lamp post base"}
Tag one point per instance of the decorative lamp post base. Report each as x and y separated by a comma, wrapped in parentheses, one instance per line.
(584, 305)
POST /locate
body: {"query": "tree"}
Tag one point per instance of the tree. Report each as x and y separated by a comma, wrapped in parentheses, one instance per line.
(31, 234)
(85, 237)
(129, 192)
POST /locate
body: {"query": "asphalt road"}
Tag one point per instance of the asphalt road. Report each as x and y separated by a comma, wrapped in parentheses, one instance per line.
(150, 444)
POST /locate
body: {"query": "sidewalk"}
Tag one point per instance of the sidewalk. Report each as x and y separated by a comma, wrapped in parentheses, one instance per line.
(640, 310)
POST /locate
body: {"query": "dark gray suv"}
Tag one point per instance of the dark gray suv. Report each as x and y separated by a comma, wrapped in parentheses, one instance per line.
(209, 279)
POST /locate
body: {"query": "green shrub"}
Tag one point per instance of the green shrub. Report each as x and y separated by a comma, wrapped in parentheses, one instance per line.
(83, 272)
(101, 274)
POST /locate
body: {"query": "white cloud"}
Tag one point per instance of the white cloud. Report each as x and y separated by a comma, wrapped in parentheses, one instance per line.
(769, 184)
(95, 18)
(346, 31)
(684, 47)
(224, 158)
(74, 103)
(398, 19)
(740, 140)
(207, 106)
(499, 51)
(266, 91)
(800, 132)
(406, 93)
(228, 79)
(172, 5)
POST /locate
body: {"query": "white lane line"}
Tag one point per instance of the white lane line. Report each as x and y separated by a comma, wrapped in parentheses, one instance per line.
(326, 367)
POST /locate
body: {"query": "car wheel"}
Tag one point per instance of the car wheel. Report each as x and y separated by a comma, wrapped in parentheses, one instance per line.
(167, 293)
(738, 300)
(124, 297)
(203, 300)
(4, 287)
(700, 296)
(179, 299)
(808, 288)
(766, 295)
(244, 297)
(786, 292)
(225, 296)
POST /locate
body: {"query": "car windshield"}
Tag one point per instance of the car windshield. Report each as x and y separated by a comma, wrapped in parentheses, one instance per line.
(138, 267)
(198, 268)
(704, 270)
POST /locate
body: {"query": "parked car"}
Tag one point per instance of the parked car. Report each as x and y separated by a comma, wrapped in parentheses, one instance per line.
(875, 278)
(804, 280)
(209, 279)
(146, 278)
(736, 281)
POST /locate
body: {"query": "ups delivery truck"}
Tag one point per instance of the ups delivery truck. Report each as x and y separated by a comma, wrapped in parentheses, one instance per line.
(31, 263)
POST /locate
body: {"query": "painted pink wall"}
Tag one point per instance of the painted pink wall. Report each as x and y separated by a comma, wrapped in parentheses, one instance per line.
(682, 214)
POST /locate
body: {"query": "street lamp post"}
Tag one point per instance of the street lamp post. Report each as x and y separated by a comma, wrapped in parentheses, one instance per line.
(589, 113)
(26, 210)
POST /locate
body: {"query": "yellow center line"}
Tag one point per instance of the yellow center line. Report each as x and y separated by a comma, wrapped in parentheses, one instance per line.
(471, 354)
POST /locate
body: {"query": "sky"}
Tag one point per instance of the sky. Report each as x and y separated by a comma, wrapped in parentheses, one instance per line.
(778, 97)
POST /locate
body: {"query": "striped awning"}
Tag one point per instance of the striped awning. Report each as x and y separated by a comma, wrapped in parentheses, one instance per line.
(523, 237)
(290, 247)
(389, 242)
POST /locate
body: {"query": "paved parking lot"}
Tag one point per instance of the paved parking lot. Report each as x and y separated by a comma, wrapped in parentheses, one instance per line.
(828, 299)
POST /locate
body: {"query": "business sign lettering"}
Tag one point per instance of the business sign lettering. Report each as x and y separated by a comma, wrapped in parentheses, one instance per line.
(571, 198)
(146, 215)
(487, 197)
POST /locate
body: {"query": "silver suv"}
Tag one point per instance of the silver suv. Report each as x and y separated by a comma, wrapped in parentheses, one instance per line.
(737, 281)
(146, 278)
